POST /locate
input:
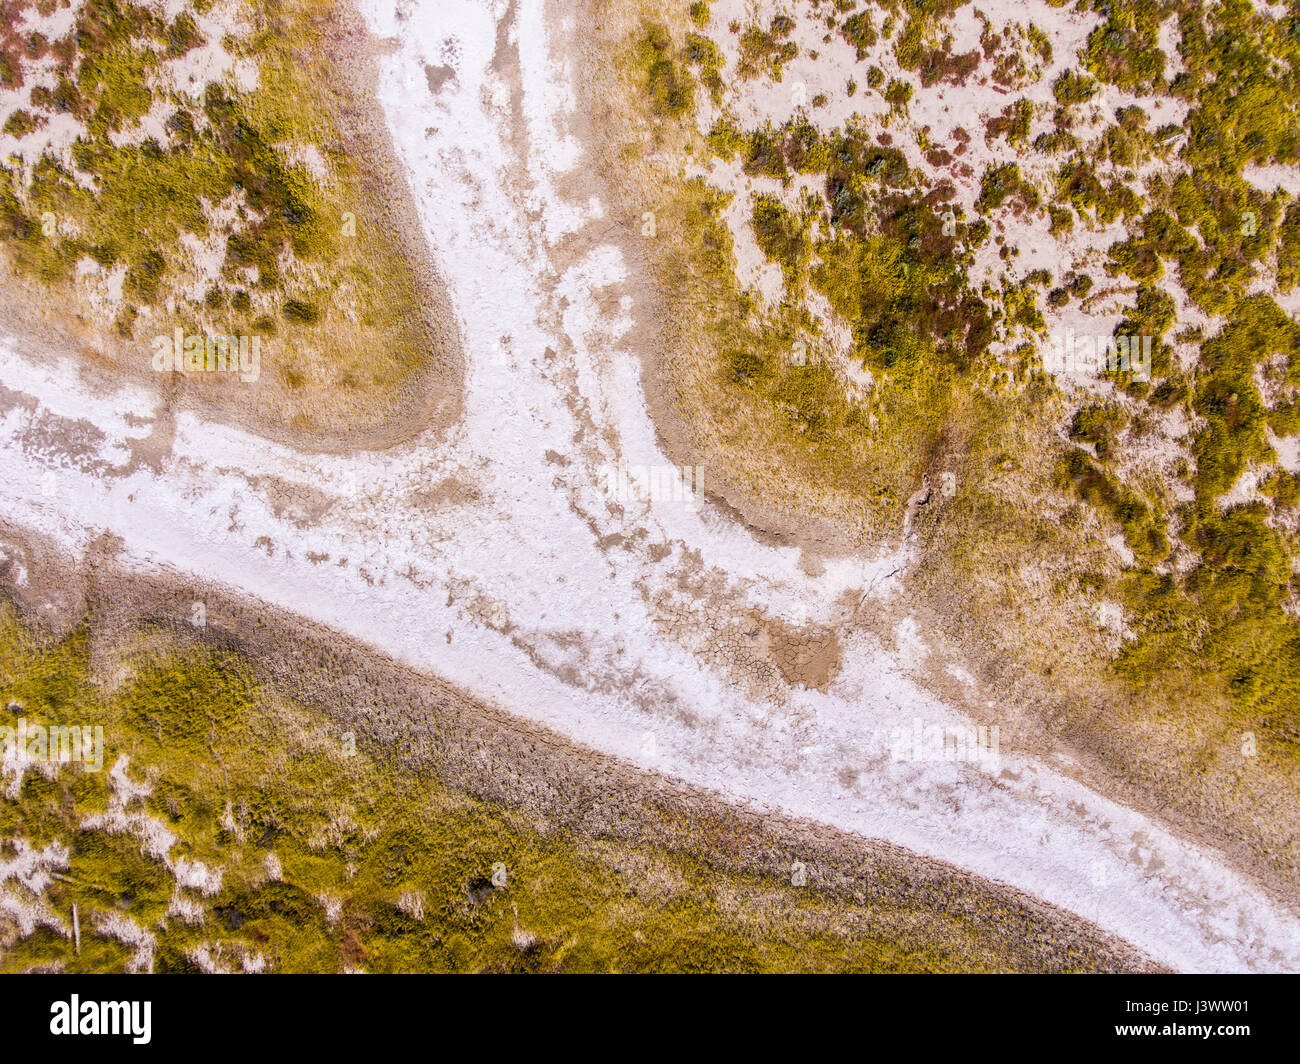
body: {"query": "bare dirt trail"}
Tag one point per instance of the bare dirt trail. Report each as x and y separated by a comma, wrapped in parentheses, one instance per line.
(662, 632)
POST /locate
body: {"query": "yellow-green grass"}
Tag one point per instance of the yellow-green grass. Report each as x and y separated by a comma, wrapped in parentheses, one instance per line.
(311, 261)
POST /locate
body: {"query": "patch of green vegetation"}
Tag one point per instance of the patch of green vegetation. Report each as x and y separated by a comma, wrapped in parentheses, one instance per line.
(703, 53)
(780, 236)
(116, 83)
(1079, 186)
(764, 154)
(1073, 88)
(1288, 250)
(757, 362)
(1039, 42)
(1003, 183)
(860, 31)
(1062, 219)
(1099, 425)
(894, 271)
(21, 122)
(897, 95)
(1224, 623)
(667, 81)
(1127, 143)
(1056, 142)
(1283, 488)
(940, 64)
(766, 51)
(910, 42)
(1020, 306)
(1014, 122)
(1144, 529)
(300, 312)
(1227, 397)
(1125, 50)
(1239, 80)
(725, 139)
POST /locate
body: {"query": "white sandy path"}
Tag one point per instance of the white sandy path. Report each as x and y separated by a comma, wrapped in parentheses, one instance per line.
(542, 620)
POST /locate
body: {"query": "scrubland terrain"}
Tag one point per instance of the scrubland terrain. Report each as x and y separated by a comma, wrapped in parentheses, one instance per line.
(884, 222)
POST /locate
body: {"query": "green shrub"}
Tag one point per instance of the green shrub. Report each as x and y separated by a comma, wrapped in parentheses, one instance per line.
(669, 84)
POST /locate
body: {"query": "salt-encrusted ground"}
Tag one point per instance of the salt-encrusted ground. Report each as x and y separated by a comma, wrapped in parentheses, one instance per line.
(495, 560)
